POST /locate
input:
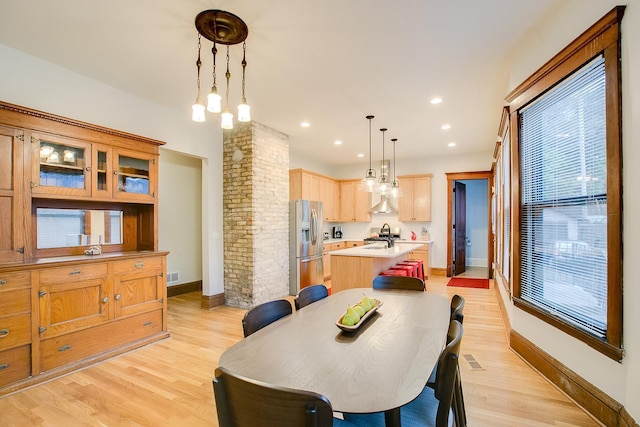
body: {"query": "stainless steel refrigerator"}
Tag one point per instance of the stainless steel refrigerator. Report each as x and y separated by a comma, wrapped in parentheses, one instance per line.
(305, 244)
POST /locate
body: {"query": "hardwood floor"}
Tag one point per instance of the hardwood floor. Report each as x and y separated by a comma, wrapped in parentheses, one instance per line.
(169, 383)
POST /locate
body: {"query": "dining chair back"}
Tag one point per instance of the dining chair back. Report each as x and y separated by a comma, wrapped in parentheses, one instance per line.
(310, 294)
(243, 402)
(398, 282)
(457, 305)
(264, 314)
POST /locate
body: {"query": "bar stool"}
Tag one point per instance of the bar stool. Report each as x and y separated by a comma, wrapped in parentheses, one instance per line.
(419, 264)
(415, 272)
(391, 272)
(410, 269)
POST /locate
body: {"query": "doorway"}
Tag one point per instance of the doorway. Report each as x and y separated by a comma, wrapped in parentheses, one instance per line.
(469, 232)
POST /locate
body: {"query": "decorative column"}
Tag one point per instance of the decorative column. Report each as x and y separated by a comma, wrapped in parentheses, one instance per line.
(256, 214)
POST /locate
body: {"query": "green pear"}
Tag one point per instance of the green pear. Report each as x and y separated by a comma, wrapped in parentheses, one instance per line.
(359, 310)
(365, 303)
(348, 320)
(351, 311)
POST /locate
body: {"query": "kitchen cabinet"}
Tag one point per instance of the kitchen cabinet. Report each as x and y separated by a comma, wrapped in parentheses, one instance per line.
(12, 224)
(15, 327)
(135, 175)
(354, 204)
(311, 186)
(415, 204)
(139, 285)
(422, 253)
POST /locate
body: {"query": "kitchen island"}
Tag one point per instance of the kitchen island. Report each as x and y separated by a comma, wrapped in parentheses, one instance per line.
(356, 267)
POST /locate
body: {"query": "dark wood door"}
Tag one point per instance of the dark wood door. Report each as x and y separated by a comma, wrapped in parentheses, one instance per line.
(460, 228)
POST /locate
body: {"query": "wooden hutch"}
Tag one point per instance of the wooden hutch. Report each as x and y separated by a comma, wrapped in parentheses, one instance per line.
(67, 188)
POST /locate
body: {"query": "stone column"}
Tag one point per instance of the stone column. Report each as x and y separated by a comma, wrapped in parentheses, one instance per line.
(256, 214)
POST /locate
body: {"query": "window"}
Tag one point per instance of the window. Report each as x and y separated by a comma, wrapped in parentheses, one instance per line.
(567, 156)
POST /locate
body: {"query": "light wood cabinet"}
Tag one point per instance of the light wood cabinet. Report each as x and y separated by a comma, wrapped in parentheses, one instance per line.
(307, 185)
(415, 204)
(61, 310)
(354, 204)
(330, 198)
(12, 231)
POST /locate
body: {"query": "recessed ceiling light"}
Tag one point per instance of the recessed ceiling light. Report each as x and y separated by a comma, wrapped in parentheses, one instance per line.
(451, 144)
(360, 155)
(436, 100)
(445, 127)
(337, 142)
(305, 124)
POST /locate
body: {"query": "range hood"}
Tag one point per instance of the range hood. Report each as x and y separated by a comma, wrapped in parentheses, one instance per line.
(384, 206)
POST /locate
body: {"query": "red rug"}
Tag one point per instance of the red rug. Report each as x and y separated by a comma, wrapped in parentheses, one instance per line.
(463, 282)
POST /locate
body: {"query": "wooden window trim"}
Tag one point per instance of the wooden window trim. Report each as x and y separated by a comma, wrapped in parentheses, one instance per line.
(601, 38)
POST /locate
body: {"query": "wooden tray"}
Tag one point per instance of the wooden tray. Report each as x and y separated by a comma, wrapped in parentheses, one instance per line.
(363, 319)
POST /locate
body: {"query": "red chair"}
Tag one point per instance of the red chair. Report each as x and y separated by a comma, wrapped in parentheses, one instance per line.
(391, 272)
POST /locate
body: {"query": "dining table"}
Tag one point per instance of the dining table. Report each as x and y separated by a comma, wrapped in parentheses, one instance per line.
(380, 366)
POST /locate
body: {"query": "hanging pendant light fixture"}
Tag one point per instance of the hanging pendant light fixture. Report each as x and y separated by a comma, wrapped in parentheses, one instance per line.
(384, 183)
(368, 183)
(396, 191)
(197, 109)
(225, 28)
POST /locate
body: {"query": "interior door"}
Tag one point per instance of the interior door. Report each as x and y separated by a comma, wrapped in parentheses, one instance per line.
(460, 228)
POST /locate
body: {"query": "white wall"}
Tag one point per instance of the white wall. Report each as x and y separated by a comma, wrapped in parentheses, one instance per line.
(180, 214)
(619, 380)
(34, 83)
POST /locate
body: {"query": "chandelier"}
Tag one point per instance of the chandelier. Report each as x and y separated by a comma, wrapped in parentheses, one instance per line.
(227, 29)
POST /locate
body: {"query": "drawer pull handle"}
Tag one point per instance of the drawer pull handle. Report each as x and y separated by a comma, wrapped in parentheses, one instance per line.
(139, 265)
(4, 333)
(148, 323)
(4, 366)
(3, 282)
(75, 272)
(42, 329)
(41, 293)
(65, 347)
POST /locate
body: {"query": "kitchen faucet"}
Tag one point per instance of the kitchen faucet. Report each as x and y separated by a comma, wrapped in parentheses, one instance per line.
(386, 229)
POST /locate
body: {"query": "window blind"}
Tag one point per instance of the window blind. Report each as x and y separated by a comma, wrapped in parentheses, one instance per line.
(564, 200)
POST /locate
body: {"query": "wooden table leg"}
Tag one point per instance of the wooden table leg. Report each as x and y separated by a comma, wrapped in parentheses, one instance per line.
(392, 418)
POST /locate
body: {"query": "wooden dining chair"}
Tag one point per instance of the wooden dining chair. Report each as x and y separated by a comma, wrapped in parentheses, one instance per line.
(460, 414)
(310, 294)
(243, 402)
(264, 314)
(432, 407)
(399, 282)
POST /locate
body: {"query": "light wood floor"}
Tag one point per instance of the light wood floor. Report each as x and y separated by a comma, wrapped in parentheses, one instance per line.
(169, 383)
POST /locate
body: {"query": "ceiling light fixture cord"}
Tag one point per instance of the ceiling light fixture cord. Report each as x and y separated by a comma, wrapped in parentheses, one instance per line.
(198, 64)
(214, 51)
(244, 65)
(228, 76)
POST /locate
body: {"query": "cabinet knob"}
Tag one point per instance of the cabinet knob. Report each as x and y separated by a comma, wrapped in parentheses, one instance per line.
(3, 282)
(115, 172)
(88, 168)
(4, 333)
(105, 299)
(4, 366)
(118, 296)
(139, 265)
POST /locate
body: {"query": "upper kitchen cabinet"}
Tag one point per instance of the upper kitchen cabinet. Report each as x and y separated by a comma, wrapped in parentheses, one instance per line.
(11, 195)
(307, 185)
(415, 204)
(354, 204)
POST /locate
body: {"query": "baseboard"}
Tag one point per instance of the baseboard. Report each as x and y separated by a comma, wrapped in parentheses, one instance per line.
(593, 400)
(439, 271)
(210, 301)
(184, 288)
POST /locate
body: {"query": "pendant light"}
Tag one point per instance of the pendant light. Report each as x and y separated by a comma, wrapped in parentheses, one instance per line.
(213, 99)
(226, 118)
(244, 111)
(368, 183)
(396, 191)
(197, 109)
(384, 184)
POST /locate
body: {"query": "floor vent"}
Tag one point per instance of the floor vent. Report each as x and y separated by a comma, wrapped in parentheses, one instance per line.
(172, 277)
(473, 363)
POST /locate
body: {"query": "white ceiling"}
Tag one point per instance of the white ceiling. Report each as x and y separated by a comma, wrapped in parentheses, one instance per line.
(331, 62)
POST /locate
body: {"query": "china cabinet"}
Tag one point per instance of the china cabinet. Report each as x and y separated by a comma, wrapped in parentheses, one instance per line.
(68, 189)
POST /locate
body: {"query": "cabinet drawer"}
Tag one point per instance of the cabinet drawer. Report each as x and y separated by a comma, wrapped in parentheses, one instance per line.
(76, 273)
(15, 331)
(15, 302)
(13, 281)
(79, 345)
(15, 364)
(134, 266)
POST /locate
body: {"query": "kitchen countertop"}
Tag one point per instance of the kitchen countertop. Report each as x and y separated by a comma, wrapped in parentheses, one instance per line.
(374, 250)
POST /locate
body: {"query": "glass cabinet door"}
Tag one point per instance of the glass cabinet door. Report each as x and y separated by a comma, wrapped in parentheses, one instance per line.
(135, 175)
(102, 170)
(63, 166)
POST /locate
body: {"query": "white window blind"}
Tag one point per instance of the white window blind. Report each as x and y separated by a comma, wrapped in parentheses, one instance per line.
(564, 200)
(506, 206)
